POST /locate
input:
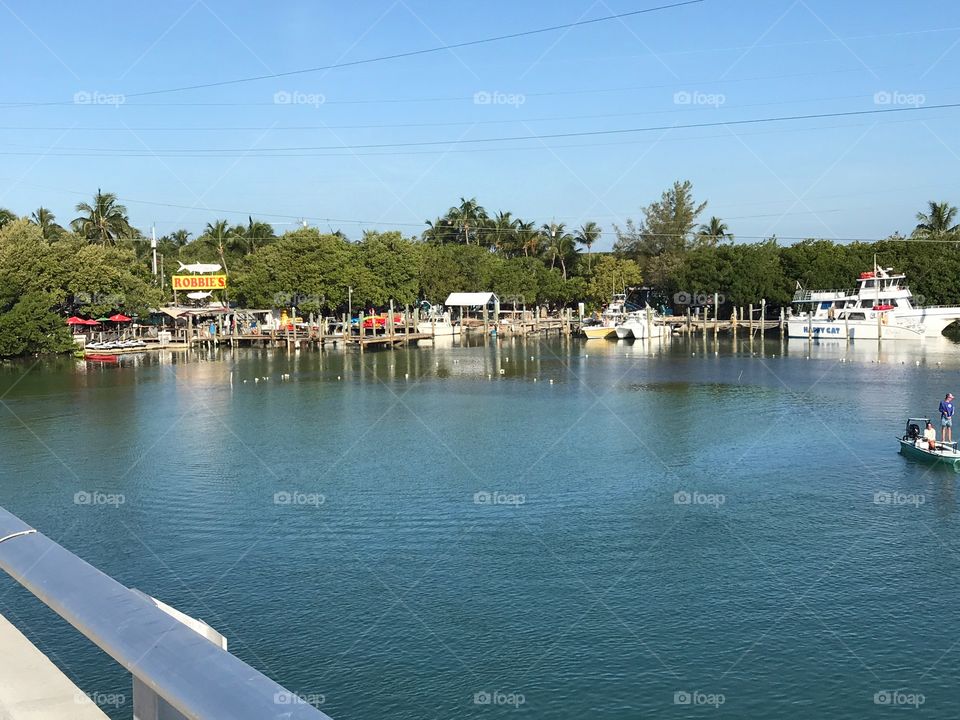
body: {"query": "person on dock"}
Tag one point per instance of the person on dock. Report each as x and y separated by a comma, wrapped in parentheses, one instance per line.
(946, 418)
(930, 436)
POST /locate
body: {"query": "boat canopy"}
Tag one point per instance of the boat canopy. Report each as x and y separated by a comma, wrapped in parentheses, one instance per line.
(471, 299)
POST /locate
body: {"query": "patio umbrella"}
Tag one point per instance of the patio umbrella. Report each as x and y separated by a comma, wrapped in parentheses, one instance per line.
(103, 319)
(76, 321)
(91, 322)
(119, 317)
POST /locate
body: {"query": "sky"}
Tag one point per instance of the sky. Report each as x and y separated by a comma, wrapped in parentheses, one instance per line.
(389, 144)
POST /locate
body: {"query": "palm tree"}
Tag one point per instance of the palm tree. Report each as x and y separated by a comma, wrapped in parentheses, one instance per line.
(45, 220)
(469, 214)
(530, 238)
(503, 230)
(713, 232)
(560, 245)
(6, 216)
(218, 236)
(255, 234)
(180, 237)
(937, 222)
(587, 235)
(105, 221)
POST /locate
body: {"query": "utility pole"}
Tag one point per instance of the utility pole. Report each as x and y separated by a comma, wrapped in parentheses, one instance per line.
(153, 247)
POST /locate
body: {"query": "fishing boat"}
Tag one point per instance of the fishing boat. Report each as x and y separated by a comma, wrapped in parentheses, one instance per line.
(912, 445)
(881, 307)
(434, 321)
(612, 316)
(640, 324)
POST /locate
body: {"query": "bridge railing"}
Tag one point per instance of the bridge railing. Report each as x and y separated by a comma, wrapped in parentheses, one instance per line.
(178, 673)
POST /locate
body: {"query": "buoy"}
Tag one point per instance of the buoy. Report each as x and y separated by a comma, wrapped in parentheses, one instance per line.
(534, 379)
(531, 357)
(551, 381)
(918, 362)
(338, 377)
(406, 375)
(256, 380)
(502, 371)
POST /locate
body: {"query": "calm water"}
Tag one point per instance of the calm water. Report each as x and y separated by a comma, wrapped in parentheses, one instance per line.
(453, 531)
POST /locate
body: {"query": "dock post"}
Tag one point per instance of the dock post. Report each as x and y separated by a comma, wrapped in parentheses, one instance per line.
(716, 315)
(486, 321)
(689, 322)
(763, 315)
(809, 326)
(751, 319)
(390, 326)
(782, 322)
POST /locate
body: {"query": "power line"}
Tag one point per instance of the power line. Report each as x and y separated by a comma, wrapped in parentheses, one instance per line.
(413, 53)
(305, 151)
(468, 98)
(394, 126)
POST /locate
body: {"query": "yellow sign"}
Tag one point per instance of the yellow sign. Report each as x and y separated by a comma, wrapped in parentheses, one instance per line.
(199, 282)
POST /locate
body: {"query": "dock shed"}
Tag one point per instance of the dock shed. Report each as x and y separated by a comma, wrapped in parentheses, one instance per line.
(475, 305)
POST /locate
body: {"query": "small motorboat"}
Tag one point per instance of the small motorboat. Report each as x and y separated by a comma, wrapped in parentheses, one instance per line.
(912, 445)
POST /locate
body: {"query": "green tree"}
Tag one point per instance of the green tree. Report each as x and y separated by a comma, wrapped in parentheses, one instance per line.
(104, 221)
(664, 234)
(502, 233)
(46, 221)
(713, 232)
(219, 237)
(612, 275)
(30, 325)
(6, 217)
(938, 222)
(587, 235)
(560, 245)
(468, 217)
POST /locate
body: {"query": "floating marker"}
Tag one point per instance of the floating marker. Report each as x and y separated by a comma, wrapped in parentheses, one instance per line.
(551, 381)
(502, 371)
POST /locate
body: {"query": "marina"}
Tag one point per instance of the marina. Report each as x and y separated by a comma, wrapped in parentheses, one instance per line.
(403, 476)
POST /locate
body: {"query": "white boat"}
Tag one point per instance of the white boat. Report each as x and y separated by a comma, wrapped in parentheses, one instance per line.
(880, 308)
(436, 322)
(635, 325)
(612, 316)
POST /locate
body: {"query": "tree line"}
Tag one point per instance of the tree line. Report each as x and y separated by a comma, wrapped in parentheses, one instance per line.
(99, 263)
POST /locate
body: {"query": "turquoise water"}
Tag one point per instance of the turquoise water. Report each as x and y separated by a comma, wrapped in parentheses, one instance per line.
(693, 523)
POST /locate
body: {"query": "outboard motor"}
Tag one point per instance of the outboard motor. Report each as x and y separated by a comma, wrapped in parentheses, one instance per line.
(913, 432)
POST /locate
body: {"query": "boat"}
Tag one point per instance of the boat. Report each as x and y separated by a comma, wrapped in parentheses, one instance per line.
(881, 307)
(912, 445)
(434, 321)
(636, 325)
(612, 315)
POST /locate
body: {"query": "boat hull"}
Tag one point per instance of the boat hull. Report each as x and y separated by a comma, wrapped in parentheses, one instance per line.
(624, 332)
(854, 330)
(598, 332)
(946, 458)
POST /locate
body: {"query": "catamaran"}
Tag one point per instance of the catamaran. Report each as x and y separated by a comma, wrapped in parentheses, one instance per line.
(880, 308)
(636, 325)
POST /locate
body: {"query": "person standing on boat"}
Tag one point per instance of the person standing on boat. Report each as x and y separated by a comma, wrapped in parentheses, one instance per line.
(930, 436)
(946, 418)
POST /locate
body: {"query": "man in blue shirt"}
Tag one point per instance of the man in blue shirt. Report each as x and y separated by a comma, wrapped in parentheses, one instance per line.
(946, 418)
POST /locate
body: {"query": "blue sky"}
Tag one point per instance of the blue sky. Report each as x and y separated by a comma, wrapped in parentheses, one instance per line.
(69, 120)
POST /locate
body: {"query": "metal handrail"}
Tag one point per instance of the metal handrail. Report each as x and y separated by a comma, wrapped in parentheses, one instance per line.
(193, 675)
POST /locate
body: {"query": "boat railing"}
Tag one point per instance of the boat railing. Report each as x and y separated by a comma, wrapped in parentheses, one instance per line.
(177, 672)
(822, 295)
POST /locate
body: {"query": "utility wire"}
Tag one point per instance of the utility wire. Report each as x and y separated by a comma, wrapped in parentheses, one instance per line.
(413, 53)
(306, 150)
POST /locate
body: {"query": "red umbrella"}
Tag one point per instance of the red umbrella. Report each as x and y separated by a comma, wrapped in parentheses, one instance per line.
(119, 317)
(90, 322)
(76, 321)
